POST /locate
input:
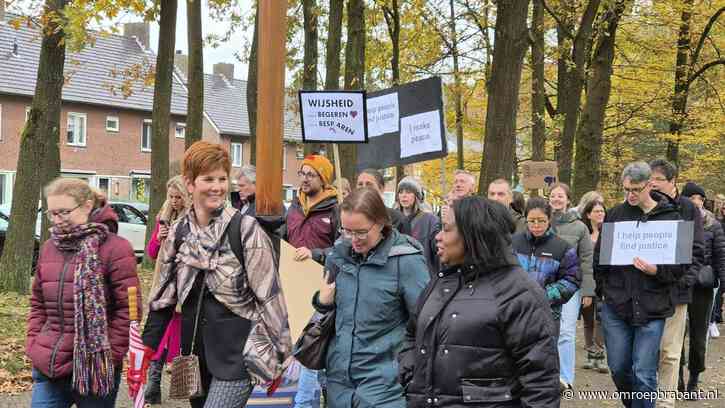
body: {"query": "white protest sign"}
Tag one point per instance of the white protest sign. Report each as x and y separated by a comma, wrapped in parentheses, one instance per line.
(383, 114)
(656, 242)
(333, 117)
(420, 134)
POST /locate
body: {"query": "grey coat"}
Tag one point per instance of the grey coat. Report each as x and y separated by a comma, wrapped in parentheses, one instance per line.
(374, 298)
(571, 229)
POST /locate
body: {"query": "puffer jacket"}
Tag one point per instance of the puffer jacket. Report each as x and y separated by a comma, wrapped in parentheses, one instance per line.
(714, 238)
(373, 300)
(51, 328)
(552, 263)
(636, 297)
(481, 337)
(569, 227)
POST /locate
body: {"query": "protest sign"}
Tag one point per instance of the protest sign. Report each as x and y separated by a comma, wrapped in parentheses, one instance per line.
(300, 280)
(656, 242)
(405, 125)
(538, 174)
(333, 116)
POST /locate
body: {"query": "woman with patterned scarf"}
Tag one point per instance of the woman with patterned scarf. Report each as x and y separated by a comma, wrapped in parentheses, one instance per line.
(177, 203)
(78, 324)
(242, 334)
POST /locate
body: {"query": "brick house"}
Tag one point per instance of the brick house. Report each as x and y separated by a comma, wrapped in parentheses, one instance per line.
(106, 135)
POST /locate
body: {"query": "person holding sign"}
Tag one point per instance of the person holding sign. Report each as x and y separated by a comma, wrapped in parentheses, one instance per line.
(636, 297)
(664, 179)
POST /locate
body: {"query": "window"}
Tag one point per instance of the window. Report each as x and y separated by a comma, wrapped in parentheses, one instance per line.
(76, 129)
(5, 189)
(140, 189)
(113, 124)
(128, 214)
(104, 184)
(284, 158)
(180, 130)
(300, 151)
(146, 136)
(27, 113)
(1, 122)
(237, 154)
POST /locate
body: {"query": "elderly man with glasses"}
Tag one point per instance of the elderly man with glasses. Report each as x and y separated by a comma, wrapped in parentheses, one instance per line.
(637, 297)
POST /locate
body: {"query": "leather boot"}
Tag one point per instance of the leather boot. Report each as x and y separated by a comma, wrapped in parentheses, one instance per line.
(153, 385)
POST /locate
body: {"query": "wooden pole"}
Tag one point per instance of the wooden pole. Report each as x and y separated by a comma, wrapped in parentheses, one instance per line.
(338, 172)
(133, 304)
(270, 105)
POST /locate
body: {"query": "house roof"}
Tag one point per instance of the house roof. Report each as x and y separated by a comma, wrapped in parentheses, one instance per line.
(225, 103)
(89, 74)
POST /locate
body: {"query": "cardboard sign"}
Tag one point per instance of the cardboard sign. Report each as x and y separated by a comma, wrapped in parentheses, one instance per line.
(333, 116)
(300, 281)
(656, 242)
(406, 125)
(537, 175)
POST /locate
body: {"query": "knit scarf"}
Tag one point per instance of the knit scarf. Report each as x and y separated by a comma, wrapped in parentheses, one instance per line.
(92, 360)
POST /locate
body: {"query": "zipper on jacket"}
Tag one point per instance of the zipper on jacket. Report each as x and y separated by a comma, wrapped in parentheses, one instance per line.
(60, 315)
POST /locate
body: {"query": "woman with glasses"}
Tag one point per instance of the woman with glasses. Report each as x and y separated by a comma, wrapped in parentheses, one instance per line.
(373, 278)
(548, 259)
(77, 333)
(481, 335)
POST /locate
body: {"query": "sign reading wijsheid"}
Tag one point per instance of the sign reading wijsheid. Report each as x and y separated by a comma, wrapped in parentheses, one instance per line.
(406, 125)
(333, 116)
(656, 242)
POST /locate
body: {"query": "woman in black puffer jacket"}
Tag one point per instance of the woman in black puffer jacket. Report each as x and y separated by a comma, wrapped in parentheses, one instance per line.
(482, 334)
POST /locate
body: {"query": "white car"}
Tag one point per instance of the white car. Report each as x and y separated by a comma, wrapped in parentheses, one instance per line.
(132, 226)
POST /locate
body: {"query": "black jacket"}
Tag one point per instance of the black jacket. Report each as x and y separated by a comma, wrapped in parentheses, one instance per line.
(481, 337)
(635, 296)
(400, 222)
(715, 247)
(682, 293)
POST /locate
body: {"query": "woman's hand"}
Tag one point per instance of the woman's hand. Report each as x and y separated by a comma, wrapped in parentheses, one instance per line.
(644, 266)
(163, 232)
(327, 290)
(302, 254)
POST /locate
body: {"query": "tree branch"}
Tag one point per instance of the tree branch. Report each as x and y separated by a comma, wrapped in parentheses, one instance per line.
(704, 35)
(556, 18)
(702, 70)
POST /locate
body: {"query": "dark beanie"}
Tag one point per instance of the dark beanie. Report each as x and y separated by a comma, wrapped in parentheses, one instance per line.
(691, 189)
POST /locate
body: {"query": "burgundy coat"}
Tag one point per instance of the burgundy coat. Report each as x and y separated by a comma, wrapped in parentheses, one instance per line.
(51, 327)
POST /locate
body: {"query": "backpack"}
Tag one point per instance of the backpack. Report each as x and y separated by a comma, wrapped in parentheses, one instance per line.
(232, 231)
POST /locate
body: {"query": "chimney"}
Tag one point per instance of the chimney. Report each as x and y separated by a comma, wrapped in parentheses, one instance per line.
(138, 30)
(181, 61)
(224, 69)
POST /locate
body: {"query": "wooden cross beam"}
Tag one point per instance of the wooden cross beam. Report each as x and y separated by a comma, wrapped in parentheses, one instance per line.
(270, 105)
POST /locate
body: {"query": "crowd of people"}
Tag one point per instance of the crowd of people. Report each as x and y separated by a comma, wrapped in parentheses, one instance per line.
(477, 304)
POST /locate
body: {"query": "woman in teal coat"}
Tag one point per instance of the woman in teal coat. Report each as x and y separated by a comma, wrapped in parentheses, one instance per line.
(376, 276)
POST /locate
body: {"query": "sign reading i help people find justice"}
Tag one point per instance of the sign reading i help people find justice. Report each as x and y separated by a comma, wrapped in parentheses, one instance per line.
(333, 116)
(656, 242)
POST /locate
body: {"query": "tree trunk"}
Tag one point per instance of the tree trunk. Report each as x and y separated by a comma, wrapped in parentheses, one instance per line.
(252, 91)
(511, 42)
(538, 92)
(591, 127)
(311, 55)
(571, 97)
(332, 54)
(354, 74)
(195, 105)
(392, 19)
(457, 97)
(679, 99)
(161, 113)
(40, 136)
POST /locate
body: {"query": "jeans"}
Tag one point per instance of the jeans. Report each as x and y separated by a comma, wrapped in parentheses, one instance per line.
(59, 393)
(308, 388)
(567, 337)
(632, 354)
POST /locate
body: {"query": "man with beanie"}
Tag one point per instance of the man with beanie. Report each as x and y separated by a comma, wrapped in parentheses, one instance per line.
(423, 225)
(312, 226)
(664, 181)
(712, 272)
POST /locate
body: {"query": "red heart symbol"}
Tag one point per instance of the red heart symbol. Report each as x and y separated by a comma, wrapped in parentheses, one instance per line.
(353, 114)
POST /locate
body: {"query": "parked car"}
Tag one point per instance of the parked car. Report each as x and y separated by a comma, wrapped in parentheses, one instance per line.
(4, 223)
(132, 226)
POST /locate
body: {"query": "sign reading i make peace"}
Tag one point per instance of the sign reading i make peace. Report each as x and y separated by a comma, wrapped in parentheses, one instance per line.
(405, 125)
(333, 116)
(656, 242)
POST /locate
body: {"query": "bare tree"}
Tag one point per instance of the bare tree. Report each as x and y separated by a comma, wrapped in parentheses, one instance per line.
(311, 54)
(195, 105)
(252, 90)
(354, 73)
(538, 91)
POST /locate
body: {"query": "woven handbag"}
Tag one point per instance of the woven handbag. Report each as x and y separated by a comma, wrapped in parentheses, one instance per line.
(185, 371)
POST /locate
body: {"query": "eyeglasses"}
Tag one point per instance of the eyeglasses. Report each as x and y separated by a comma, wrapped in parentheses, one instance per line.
(537, 222)
(635, 190)
(359, 234)
(62, 214)
(309, 176)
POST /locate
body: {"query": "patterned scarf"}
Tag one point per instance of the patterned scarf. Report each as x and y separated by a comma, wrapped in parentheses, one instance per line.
(92, 362)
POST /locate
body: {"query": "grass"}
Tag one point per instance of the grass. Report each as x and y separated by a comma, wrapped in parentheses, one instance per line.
(14, 366)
